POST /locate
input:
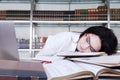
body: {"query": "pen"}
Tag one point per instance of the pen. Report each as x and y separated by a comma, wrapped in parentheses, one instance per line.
(44, 61)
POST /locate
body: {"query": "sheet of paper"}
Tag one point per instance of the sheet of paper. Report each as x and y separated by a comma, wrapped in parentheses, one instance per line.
(66, 68)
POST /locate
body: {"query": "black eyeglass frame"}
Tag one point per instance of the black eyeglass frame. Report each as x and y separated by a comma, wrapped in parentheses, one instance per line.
(88, 41)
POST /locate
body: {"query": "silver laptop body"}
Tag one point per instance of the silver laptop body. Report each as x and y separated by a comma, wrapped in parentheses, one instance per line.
(8, 43)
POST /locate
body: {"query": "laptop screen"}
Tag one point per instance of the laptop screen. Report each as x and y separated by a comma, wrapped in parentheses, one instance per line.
(8, 43)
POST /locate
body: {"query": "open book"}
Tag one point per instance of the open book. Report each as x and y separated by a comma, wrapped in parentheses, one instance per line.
(81, 54)
(107, 61)
(67, 70)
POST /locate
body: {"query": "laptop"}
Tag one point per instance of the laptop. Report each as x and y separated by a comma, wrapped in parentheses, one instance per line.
(8, 42)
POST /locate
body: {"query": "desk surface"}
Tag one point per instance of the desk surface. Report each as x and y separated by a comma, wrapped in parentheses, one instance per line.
(22, 69)
(21, 65)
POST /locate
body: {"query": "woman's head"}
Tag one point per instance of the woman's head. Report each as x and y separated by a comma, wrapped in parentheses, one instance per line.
(98, 38)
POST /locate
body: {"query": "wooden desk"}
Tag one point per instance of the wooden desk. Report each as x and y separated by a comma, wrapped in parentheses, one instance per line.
(22, 70)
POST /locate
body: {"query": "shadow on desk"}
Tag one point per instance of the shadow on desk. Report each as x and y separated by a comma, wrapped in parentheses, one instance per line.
(2, 77)
(5, 77)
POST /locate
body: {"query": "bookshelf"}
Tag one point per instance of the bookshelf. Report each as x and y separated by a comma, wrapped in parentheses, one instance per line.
(35, 19)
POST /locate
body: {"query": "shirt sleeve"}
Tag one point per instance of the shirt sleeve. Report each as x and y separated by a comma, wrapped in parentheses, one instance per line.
(57, 43)
(53, 44)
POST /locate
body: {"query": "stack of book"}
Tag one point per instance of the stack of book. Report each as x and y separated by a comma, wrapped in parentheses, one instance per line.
(81, 66)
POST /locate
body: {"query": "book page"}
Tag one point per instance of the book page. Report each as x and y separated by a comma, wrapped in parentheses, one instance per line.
(101, 71)
(80, 54)
(47, 58)
(108, 61)
(68, 69)
(115, 73)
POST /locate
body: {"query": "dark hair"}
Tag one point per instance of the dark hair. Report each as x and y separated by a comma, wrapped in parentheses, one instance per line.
(109, 41)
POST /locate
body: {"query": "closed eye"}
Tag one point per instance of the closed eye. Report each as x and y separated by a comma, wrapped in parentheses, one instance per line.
(88, 41)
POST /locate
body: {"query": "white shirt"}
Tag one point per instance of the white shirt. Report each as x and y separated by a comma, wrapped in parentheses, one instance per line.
(64, 41)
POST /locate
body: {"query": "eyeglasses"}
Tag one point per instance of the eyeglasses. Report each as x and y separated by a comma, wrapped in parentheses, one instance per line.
(88, 41)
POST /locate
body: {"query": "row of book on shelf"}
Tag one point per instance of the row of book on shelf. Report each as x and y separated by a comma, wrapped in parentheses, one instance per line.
(99, 13)
(37, 43)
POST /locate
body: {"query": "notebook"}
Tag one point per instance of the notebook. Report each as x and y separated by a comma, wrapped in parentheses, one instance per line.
(80, 54)
(8, 43)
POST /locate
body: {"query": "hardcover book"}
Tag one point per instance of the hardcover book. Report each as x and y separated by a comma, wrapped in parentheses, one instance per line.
(67, 70)
(107, 61)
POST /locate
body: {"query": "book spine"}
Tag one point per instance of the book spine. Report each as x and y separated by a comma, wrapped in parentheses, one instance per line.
(48, 15)
(23, 43)
(102, 11)
(72, 15)
(118, 14)
(2, 15)
(111, 14)
(90, 14)
(77, 14)
(115, 14)
(84, 14)
(96, 14)
(66, 16)
(17, 15)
